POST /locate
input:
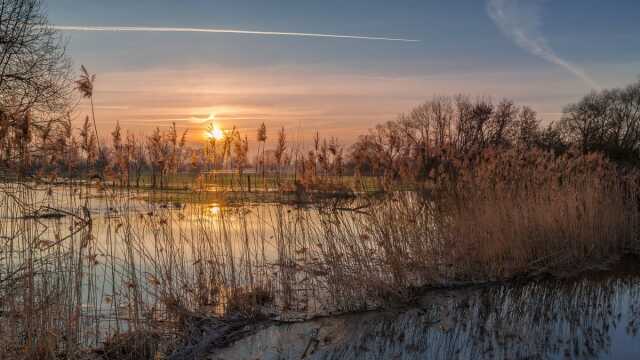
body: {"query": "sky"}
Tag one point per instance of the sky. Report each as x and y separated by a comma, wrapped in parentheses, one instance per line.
(541, 53)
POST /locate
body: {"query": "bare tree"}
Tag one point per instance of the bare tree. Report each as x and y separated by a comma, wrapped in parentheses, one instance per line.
(165, 150)
(439, 131)
(139, 161)
(34, 82)
(606, 121)
(157, 156)
(34, 70)
(527, 128)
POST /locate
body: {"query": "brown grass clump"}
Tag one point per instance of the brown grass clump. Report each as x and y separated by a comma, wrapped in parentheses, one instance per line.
(508, 214)
(531, 212)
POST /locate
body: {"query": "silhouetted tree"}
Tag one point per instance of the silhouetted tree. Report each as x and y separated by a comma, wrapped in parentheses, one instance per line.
(34, 85)
(607, 121)
(439, 131)
(34, 70)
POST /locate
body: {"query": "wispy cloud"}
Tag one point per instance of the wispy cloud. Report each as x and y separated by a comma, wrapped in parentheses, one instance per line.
(223, 31)
(520, 20)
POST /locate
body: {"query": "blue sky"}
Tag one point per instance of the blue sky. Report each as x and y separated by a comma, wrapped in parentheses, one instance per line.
(343, 86)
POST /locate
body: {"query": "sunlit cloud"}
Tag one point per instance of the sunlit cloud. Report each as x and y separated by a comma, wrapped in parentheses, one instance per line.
(202, 119)
(224, 31)
(520, 21)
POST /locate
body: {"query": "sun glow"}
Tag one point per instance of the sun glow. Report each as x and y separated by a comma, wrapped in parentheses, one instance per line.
(215, 210)
(215, 133)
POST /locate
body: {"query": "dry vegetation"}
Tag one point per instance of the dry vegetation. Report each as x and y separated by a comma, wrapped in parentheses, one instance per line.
(162, 280)
(474, 193)
(471, 192)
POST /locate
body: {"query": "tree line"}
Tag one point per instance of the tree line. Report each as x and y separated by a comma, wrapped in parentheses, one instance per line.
(419, 144)
(38, 96)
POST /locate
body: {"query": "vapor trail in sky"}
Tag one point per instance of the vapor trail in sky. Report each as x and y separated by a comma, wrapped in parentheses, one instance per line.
(520, 20)
(222, 31)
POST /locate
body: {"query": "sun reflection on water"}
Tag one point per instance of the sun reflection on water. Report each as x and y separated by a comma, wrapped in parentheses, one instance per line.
(214, 209)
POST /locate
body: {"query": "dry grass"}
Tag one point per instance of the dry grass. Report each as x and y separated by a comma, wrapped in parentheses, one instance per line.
(511, 214)
(138, 276)
(41, 275)
(521, 213)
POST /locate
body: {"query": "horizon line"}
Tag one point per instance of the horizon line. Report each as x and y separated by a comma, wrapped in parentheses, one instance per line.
(221, 31)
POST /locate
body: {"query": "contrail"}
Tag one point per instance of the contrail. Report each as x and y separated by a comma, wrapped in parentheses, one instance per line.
(520, 21)
(221, 31)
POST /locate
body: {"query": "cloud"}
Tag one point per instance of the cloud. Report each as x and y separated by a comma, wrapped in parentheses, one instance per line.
(335, 102)
(222, 31)
(520, 21)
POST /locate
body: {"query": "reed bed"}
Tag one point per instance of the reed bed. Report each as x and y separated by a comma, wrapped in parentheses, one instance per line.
(86, 267)
(511, 215)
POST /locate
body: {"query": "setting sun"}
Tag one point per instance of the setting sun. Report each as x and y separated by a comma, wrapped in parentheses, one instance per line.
(428, 190)
(214, 132)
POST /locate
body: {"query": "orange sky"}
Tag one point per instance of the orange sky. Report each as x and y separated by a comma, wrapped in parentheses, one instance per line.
(333, 103)
(177, 67)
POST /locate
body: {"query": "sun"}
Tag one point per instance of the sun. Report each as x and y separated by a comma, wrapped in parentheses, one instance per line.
(214, 132)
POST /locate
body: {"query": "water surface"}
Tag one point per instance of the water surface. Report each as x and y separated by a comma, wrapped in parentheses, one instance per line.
(593, 318)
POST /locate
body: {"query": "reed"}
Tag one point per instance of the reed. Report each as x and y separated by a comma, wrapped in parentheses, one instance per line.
(86, 267)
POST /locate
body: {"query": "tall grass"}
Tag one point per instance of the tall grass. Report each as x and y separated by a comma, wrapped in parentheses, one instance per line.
(41, 273)
(137, 278)
(509, 215)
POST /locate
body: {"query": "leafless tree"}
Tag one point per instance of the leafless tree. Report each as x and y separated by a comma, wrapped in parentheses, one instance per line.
(439, 131)
(88, 143)
(139, 161)
(527, 128)
(34, 70)
(606, 121)
(34, 82)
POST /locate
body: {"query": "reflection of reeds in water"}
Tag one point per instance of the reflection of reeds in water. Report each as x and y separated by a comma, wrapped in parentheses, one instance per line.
(585, 319)
(42, 293)
(115, 265)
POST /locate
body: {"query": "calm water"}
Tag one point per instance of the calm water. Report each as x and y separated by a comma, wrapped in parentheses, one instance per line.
(595, 317)
(592, 318)
(134, 241)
